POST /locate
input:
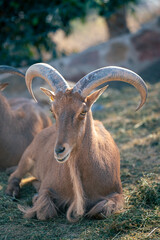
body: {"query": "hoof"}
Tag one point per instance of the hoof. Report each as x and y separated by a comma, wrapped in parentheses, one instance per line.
(13, 188)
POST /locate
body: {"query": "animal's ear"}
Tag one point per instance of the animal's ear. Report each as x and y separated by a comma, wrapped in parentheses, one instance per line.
(3, 86)
(49, 93)
(94, 96)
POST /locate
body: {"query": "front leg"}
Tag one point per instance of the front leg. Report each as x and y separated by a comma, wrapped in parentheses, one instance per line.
(24, 166)
(44, 206)
(111, 204)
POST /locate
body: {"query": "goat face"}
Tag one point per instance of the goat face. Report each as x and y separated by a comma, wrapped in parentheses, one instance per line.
(70, 111)
(71, 107)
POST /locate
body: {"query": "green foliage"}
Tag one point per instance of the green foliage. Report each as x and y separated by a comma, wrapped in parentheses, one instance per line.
(108, 7)
(25, 27)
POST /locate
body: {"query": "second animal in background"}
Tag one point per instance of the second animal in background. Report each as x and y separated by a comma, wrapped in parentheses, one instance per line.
(20, 120)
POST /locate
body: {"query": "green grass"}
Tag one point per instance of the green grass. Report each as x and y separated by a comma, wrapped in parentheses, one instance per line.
(138, 137)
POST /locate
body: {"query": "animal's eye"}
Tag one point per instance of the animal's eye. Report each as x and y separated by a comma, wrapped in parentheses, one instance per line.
(83, 113)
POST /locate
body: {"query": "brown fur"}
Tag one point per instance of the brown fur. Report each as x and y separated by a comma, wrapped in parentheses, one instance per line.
(88, 183)
(20, 121)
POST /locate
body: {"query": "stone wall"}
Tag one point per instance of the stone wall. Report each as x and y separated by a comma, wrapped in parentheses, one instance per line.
(138, 52)
(134, 51)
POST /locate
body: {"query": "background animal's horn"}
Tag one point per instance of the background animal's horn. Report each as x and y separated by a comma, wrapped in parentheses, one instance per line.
(12, 70)
(49, 74)
(108, 74)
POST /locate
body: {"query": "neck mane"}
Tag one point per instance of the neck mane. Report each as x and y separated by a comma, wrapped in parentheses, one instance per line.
(77, 207)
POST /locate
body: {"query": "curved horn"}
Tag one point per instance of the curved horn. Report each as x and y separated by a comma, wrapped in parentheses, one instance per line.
(108, 74)
(8, 69)
(49, 74)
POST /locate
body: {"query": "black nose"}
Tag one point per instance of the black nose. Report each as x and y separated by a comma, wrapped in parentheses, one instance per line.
(59, 149)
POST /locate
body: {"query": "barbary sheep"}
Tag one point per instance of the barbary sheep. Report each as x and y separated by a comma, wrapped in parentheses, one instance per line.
(75, 162)
(20, 120)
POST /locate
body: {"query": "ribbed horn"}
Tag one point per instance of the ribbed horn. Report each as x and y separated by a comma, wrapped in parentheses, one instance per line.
(108, 74)
(12, 70)
(49, 74)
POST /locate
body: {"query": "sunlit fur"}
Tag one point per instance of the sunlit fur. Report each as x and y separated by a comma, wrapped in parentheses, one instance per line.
(88, 183)
(20, 121)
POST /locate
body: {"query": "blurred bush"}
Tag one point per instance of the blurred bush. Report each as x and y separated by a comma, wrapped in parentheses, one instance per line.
(25, 25)
(114, 13)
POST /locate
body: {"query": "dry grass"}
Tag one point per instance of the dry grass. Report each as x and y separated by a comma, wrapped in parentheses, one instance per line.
(138, 137)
